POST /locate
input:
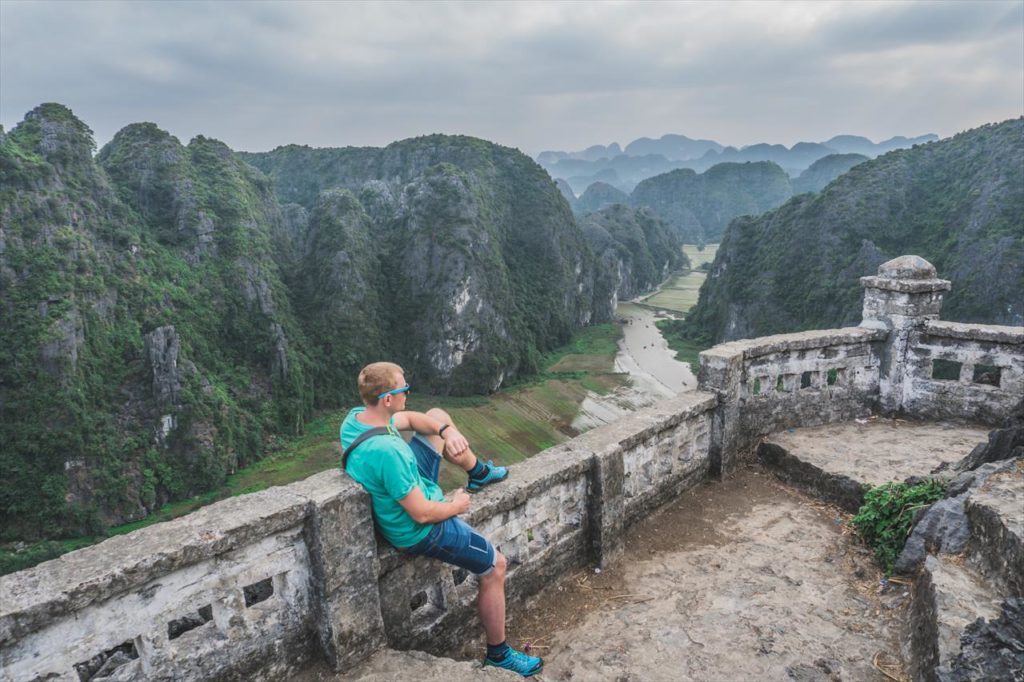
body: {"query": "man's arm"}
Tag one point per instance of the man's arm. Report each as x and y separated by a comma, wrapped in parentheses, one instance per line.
(425, 425)
(423, 510)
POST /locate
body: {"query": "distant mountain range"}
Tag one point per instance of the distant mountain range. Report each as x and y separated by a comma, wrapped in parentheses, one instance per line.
(699, 205)
(646, 157)
(958, 203)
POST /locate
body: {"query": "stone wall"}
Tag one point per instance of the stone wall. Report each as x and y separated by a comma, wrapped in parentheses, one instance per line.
(231, 591)
(802, 379)
(258, 585)
(964, 371)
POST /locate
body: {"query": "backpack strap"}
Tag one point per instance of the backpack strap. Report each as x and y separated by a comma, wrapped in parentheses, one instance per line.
(362, 438)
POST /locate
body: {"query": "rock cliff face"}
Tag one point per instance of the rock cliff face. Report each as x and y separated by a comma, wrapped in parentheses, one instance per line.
(165, 310)
(147, 344)
(636, 249)
(483, 266)
(958, 203)
(699, 206)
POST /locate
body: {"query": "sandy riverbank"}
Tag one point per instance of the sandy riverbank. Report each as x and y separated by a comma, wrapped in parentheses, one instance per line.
(645, 355)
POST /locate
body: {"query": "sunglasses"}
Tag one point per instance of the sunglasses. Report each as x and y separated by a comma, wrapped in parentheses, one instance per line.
(394, 391)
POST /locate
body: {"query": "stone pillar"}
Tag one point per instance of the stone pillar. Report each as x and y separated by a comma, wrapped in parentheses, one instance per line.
(721, 372)
(344, 569)
(606, 505)
(903, 296)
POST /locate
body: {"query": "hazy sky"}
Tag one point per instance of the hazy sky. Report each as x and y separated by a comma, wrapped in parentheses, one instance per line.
(530, 75)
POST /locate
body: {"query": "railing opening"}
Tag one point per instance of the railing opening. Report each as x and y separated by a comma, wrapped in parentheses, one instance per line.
(990, 375)
(258, 592)
(946, 370)
(179, 626)
(104, 664)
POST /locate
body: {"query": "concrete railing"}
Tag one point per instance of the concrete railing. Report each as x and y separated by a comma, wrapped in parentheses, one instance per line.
(802, 379)
(964, 371)
(256, 586)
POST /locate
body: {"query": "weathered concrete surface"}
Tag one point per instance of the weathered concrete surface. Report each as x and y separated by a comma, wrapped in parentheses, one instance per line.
(995, 511)
(738, 580)
(992, 649)
(836, 459)
(948, 595)
(389, 665)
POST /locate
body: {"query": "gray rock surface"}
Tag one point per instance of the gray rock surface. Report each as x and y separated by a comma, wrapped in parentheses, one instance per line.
(990, 650)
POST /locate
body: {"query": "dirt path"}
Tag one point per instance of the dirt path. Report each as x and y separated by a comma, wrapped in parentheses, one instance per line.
(645, 355)
(738, 580)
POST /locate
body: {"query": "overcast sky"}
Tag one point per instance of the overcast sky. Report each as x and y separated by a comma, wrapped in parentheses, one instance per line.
(529, 75)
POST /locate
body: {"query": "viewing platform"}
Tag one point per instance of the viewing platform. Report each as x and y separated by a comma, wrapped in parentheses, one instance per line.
(717, 520)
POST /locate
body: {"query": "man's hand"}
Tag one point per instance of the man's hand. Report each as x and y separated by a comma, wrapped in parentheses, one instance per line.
(460, 499)
(454, 442)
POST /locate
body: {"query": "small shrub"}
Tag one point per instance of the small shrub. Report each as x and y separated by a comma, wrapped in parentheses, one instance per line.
(884, 520)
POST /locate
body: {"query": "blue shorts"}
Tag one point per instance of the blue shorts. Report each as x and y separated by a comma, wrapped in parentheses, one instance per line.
(453, 541)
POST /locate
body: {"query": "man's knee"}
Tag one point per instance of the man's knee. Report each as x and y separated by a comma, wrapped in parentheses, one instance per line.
(500, 564)
(440, 415)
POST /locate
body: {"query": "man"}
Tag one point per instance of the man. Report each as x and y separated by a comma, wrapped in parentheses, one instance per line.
(411, 511)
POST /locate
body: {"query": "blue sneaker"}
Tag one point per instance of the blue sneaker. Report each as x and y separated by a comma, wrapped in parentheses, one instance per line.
(518, 662)
(495, 474)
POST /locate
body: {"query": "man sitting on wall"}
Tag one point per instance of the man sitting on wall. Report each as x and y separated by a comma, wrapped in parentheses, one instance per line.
(409, 507)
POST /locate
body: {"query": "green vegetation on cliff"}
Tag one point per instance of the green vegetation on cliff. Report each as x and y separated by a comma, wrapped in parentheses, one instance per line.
(148, 345)
(958, 203)
(700, 206)
(168, 312)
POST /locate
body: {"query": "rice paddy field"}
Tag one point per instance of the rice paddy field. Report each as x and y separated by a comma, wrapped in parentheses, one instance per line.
(680, 293)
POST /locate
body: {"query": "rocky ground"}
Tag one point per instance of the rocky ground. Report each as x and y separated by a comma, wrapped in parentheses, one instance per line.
(739, 580)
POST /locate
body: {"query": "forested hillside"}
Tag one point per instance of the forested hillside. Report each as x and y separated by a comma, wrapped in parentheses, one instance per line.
(169, 309)
(958, 203)
(699, 206)
(148, 345)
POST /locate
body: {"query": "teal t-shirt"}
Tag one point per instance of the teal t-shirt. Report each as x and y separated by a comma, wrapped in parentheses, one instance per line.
(386, 468)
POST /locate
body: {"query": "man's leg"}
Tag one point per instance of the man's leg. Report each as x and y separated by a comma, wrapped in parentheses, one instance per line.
(467, 460)
(492, 601)
(479, 474)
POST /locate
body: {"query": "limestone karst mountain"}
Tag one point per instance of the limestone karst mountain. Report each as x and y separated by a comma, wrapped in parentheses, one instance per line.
(699, 206)
(148, 344)
(600, 195)
(636, 248)
(825, 170)
(958, 203)
(169, 309)
(644, 157)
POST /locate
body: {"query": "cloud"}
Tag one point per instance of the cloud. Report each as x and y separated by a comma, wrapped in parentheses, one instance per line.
(534, 75)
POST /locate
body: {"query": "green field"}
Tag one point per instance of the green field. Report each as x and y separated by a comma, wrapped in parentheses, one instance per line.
(507, 427)
(698, 257)
(679, 294)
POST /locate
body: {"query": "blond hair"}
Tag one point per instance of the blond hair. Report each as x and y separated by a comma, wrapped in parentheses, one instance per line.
(377, 378)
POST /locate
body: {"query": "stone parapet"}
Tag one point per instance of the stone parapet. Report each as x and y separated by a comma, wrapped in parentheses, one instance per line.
(235, 589)
(801, 379)
(993, 333)
(960, 371)
(255, 586)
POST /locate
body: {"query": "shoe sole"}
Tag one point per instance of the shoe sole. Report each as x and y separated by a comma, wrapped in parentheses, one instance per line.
(529, 674)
